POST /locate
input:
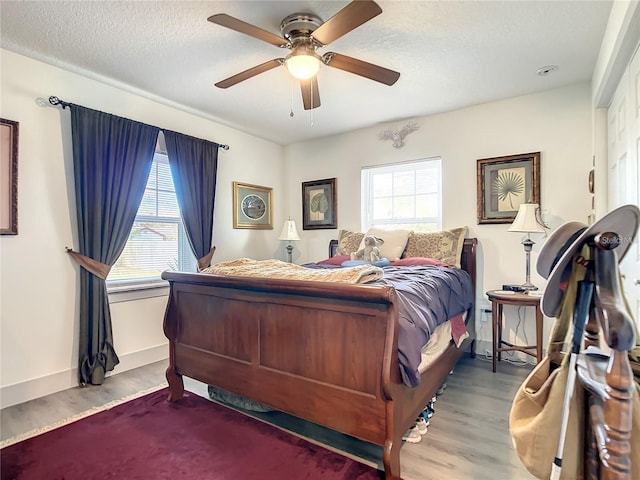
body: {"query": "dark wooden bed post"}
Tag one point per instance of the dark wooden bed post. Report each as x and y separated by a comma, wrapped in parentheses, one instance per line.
(468, 263)
(391, 459)
(393, 443)
(392, 389)
(176, 384)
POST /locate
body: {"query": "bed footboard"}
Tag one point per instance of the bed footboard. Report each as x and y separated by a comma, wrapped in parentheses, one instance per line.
(324, 352)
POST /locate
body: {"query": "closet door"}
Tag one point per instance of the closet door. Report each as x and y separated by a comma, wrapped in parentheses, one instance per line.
(624, 171)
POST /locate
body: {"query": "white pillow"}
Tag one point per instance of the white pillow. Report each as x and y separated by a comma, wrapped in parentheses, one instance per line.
(394, 242)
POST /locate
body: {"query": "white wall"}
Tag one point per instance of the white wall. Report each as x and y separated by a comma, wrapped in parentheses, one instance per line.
(38, 294)
(557, 123)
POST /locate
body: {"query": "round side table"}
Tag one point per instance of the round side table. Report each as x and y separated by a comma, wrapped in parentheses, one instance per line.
(498, 299)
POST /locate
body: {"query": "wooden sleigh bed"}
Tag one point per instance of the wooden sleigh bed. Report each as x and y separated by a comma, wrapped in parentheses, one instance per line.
(327, 353)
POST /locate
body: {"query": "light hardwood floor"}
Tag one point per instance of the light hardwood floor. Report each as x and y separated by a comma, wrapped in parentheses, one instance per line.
(468, 438)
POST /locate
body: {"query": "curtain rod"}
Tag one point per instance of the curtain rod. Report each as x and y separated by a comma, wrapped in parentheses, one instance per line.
(53, 100)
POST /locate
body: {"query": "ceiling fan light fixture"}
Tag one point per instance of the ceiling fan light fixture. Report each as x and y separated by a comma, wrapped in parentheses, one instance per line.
(303, 65)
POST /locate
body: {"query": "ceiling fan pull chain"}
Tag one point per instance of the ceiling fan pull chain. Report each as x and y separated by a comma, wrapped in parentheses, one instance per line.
(311, 109)
(291, 84)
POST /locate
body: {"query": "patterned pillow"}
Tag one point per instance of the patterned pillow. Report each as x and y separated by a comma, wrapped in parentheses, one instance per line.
(418, 262)
(445, 246)
(348, 242)
(394, 244)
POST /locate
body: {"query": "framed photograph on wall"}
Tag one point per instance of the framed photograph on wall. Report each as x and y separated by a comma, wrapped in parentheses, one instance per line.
(8, 177)
(504, 183)
(319, 204)
(252, 206)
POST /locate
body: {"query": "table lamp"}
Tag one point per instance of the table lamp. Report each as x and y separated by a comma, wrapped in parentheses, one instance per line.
(289, 233)
(526, 221)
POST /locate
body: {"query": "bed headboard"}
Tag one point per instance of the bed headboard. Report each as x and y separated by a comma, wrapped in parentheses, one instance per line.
(467, 261)
(333, 246)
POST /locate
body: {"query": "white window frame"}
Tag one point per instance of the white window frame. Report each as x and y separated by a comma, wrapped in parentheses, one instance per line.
(367, 195)
(123, 290)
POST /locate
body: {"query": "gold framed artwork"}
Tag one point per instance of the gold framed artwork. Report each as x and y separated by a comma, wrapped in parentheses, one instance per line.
(319, 204)
(252, 206)
(504, 183)
(8, 177)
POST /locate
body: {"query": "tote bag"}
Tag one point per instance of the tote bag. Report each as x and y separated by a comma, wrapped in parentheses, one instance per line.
(536, 411)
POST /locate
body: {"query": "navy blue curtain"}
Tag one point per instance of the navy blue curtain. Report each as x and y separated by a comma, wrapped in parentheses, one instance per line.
(194, 166)
(112, 158)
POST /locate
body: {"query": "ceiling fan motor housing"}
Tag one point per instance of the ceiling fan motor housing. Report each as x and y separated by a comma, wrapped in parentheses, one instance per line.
(299, 26)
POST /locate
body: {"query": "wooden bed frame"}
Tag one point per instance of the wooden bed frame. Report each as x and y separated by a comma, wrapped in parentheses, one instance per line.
(327, 353)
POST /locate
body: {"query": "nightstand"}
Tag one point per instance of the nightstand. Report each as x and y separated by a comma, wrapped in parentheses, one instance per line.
(498, 299)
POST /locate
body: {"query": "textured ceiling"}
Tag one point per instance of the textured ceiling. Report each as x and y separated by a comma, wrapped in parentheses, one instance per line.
(450, 55)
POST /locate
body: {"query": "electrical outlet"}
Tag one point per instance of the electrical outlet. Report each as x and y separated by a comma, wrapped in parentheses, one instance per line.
(484, 314)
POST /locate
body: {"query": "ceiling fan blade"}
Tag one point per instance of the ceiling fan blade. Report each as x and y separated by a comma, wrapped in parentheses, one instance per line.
(359, 67)
(347, 19)
(248, 29)
(310, 93)
(252, 72)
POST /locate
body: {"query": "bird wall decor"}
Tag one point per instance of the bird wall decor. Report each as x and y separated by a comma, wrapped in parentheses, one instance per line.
(398, 137)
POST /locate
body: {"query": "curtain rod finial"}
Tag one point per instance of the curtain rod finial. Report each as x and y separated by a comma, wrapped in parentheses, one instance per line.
(53, 100)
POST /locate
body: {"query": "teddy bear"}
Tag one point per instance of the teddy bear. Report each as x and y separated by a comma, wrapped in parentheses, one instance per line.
(370, 252)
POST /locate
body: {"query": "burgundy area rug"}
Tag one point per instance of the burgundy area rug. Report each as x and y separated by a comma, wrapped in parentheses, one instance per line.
(149, 438)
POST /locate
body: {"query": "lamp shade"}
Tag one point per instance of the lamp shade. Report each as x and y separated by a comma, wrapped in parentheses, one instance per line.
(526, 219)
(289, 231)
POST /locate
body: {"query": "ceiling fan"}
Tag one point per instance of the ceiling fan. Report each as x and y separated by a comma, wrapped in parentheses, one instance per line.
(303, 34)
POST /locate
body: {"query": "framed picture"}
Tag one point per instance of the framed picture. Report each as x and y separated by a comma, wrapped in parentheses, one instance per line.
(252, 206)
(319, 204)
(8, 177)
(504, 183)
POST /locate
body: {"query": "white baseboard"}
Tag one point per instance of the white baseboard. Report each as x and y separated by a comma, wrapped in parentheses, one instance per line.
(482, 346)
(56, 382)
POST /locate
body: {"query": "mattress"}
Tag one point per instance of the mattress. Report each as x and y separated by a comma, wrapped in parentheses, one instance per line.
(439, 341)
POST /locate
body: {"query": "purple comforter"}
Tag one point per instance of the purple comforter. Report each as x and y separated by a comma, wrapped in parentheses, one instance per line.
(427, 297)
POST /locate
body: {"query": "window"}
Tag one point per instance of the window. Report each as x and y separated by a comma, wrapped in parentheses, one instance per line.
(403, 196)
(157, 241)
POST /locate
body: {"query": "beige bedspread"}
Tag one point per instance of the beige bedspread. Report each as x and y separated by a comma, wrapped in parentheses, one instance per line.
(247, 267)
